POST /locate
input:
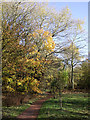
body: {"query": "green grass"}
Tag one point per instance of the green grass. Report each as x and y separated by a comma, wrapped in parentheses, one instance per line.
(75, 107)
(12, 112)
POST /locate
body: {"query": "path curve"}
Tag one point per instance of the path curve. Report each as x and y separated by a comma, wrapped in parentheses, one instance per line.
(32, 112)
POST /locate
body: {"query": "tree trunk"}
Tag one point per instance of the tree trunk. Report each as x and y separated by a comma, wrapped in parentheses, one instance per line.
(54, 93)
(72, 80)
(60, 97)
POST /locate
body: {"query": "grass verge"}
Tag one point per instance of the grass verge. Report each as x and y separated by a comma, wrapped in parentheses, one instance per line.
(75, 107)
(10, 113)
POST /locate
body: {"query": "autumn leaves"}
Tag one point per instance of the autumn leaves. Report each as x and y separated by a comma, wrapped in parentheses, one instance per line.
(25, 71)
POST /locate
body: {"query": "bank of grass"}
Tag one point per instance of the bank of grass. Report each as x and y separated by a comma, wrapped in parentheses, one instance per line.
(75, 107)
(10, 113)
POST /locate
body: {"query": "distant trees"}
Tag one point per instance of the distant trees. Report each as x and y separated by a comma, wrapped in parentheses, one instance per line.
(83, 82)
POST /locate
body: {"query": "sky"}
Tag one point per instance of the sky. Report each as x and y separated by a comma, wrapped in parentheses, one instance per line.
(79, 10)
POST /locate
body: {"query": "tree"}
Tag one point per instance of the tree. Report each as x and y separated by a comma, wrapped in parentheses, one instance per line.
(28, 61)
(59, 83)
(71, 50)
(28, 41)
(73, 57)
(63, 77)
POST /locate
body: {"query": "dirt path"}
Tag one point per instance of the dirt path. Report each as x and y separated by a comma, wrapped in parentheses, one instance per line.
(32, 112)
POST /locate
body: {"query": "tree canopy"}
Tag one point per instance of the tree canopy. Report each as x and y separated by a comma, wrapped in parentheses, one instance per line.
(33, 34)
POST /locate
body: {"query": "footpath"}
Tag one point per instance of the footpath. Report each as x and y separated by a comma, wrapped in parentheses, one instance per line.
(32, 112)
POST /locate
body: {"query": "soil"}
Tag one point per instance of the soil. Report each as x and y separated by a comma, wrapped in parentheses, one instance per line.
(32, 112)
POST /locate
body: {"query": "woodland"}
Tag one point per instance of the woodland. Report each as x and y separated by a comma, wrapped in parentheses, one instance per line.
(42, 51)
